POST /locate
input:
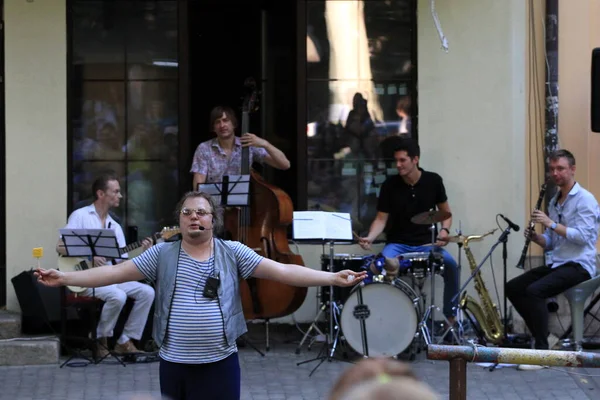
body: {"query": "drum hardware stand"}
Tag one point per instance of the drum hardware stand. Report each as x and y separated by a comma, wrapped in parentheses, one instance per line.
(430, 311)
(331, 339)
(311, 327)
(459, 312)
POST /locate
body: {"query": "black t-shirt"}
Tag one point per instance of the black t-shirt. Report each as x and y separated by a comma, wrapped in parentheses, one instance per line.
(403, 201)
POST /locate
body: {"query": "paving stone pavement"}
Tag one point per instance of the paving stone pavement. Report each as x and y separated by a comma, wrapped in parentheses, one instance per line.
(276, 376)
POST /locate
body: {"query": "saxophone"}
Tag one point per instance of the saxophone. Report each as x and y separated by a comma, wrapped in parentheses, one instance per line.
(486, 314)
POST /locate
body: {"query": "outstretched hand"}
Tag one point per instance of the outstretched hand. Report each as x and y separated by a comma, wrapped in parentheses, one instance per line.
(50, 277)
(348, 277)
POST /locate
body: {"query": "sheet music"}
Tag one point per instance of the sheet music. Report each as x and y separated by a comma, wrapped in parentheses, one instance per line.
(104, 241)
(237, 187)
(77, 246)
(214, 189)
(322, 225)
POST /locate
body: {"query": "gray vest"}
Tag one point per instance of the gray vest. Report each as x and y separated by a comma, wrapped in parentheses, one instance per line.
(229, 290)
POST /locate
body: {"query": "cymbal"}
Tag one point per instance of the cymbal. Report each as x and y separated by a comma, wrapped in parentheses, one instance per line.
(430, 217)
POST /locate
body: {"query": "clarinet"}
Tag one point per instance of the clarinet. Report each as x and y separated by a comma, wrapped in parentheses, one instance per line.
(521, 263)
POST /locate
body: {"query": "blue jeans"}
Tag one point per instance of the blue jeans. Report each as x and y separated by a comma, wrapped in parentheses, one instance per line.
(450, 271)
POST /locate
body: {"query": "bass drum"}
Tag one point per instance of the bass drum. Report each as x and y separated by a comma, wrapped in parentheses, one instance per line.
(391, 315)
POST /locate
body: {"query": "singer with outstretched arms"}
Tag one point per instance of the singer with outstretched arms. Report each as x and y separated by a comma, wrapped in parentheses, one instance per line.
(198, 312)
(571, 232)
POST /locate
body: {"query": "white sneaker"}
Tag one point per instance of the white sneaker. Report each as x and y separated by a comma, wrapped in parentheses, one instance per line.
(552, 342)
(527, 367)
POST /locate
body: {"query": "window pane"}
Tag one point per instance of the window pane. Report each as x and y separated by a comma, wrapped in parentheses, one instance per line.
(152, 40)
(152, 119)
(354, 39)
(352, 119)
(99, 116)
(152, 189)
(389, 26)
(98, 46)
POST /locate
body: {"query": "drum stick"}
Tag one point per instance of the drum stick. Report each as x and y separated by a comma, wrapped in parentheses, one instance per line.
(355, 235)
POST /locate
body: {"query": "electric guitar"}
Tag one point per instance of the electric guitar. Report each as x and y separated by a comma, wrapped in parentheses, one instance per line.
(80, 263)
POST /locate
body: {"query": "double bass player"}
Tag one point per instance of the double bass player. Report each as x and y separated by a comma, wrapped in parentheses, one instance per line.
(222, 155)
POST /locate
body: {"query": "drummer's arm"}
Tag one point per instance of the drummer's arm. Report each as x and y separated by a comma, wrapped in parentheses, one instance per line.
(447, 223)
(377, 226)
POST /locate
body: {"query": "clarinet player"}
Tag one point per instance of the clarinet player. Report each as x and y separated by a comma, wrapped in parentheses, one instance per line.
(570, 232)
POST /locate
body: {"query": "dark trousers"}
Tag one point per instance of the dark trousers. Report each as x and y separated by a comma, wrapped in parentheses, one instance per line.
(213, 381)
(528, 294)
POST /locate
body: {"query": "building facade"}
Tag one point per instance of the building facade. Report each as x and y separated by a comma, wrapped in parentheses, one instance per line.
(127, 86)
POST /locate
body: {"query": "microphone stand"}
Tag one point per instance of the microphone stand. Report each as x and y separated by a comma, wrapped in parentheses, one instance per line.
(504, 257)
(501, 239)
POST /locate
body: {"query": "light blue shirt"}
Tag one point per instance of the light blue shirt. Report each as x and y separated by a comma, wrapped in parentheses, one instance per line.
(581, 215)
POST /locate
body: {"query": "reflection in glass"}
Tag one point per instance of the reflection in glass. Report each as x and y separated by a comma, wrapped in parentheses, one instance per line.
(152, 189)
(152, 41)
(125, 90)
(100, 115)
(98, 48)
(359, 103)
(151, 115)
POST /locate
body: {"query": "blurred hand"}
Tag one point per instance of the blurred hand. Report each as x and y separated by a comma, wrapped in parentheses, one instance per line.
(348, 277)
(49, 277)
(99, 261)
(530, 234)
(365, 243)
(250, 139)
(442, 238)
(540, 217)
(147, 243)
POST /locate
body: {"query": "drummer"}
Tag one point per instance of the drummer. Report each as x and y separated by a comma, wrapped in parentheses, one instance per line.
(408, 204)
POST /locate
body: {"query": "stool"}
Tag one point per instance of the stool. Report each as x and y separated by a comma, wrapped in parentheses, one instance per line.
(577, 296)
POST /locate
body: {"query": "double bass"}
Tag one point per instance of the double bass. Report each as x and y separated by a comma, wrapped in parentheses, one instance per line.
(262, 226)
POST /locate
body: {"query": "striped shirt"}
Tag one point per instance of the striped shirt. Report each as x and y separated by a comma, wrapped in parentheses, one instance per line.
(195, 329)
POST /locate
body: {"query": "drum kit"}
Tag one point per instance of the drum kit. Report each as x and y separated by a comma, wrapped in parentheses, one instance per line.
(384, 315)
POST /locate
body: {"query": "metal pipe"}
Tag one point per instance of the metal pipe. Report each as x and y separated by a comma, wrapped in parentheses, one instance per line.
(498, 355)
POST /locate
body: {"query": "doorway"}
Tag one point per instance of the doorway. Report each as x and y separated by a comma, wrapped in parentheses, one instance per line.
(230, 41)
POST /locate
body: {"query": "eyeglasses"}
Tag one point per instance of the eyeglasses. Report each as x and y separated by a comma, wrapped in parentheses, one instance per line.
(189, 211)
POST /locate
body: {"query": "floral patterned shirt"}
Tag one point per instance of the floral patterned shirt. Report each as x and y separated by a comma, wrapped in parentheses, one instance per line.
(211, 160)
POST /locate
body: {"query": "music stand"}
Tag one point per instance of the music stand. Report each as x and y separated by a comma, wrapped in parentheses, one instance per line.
(92, 243)
(232, 191)
(326, 227)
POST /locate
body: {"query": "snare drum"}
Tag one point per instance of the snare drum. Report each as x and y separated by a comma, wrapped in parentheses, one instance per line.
(353, 262)
(416, 265)
(391, 313)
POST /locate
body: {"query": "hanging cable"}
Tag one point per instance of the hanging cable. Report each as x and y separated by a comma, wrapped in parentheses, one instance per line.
(438, 26)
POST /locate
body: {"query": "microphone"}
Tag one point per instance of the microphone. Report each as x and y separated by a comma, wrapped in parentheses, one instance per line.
(511, 224)
(201, 228)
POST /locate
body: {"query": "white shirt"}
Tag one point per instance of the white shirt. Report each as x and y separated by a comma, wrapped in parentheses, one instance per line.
(88, 218)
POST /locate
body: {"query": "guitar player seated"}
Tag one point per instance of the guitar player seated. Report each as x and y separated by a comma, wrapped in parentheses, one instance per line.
(107, 195)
